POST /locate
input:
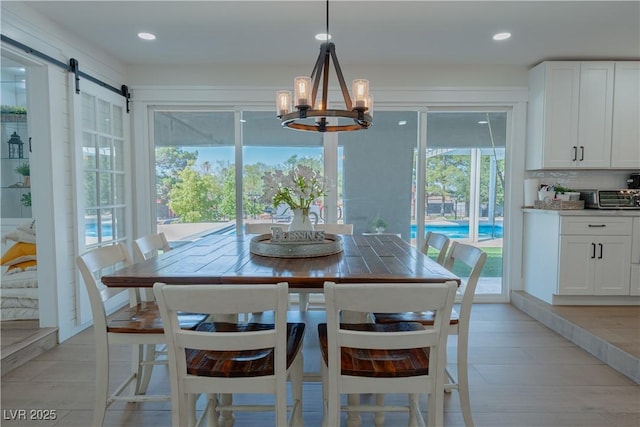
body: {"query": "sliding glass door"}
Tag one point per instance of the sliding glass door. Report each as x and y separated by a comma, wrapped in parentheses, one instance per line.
(464, 184)
(401, 176)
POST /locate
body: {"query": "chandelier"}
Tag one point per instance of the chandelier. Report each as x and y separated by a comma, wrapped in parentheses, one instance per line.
(311, 113)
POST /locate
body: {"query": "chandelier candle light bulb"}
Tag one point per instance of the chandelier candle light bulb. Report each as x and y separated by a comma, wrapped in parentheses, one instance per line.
(284, 102)
(360, 88)
(302, 86)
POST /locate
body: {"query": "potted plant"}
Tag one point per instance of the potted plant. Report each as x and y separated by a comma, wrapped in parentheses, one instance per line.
(564, 193)
(26, 199)
(25, 170)
(379, 225)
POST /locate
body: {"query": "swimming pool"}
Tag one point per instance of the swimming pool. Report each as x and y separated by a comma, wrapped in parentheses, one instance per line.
(461, 230)
(91, 230)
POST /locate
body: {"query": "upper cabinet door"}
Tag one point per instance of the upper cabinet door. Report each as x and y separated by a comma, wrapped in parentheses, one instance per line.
(595, 114)
(625, 141)
(552, 128)
(571, 115)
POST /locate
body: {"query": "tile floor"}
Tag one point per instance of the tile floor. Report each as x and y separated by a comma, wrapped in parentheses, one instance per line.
(522, 374)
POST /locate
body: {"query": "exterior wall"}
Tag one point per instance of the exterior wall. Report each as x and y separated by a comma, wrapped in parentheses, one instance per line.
(54, 187)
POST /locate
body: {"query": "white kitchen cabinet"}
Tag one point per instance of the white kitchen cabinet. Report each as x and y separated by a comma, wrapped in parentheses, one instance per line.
(595, 115)
(570, 115)
(635, 258)
(625, 139)
(594, 265)
(581, 257)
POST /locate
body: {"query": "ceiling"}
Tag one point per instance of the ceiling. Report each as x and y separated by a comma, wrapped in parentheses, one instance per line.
(365, 32)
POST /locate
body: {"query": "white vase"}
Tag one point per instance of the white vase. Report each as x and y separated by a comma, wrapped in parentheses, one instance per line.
(301, 220)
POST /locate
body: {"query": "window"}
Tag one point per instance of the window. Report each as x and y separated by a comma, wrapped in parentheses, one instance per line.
(105, 211)
(195, 172)
(267, 146)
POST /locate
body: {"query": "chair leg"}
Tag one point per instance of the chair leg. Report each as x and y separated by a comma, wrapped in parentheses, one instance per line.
(325, 394)
(463, 381)
(415, 417)
(211, 409)
(149, 355)
(303, 300)
(353, 417)
(102, 387)
(378, 417)
(296, 389)
(226, 418)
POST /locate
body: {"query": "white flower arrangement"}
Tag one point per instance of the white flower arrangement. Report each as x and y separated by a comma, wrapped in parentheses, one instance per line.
(297, 188)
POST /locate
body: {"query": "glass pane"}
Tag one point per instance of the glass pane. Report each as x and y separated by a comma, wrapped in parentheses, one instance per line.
(195, 171)
(90, 189)
(463, 148)
(267, 147)
(91, 227)
(104, 117)
(104, 180)
(104, 149)
(117, 129)
(105, 225)
(377, 173)
(118, 154)
(88, 112)
(89, 150)
(118, 192)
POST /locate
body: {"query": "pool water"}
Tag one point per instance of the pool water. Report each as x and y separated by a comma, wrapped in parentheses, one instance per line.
(91, 230)
(461, 231)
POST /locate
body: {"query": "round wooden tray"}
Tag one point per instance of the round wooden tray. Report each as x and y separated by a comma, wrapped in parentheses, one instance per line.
(262, 245)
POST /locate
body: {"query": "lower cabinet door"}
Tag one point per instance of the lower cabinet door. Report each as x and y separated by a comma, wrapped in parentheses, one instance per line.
(577, 265)
(613, 259)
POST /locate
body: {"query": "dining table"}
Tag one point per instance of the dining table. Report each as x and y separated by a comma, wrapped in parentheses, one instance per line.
(228, 259)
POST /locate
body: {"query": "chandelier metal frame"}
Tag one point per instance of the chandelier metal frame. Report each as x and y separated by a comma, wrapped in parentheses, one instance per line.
(310, 118)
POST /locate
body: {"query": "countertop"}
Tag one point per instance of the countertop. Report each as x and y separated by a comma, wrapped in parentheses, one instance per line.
(586, 212)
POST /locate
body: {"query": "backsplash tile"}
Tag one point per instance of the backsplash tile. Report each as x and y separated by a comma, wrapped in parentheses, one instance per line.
(583, 179)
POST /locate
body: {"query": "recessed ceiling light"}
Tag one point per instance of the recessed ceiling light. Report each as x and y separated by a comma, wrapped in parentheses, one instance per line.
(501, 36)
(323, 37)
(147, 36)
(482, 122)
(402, 122)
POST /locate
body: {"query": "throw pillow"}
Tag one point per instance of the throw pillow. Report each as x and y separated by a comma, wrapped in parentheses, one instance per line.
(19, 252)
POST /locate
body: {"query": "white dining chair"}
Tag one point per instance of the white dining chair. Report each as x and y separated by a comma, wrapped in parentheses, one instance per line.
(376, 358)
(262, 227)
(227, 358)
(439, 243)
(334, 228)
(138, 325)
(330, 228)
(149, 246)
(473, 259)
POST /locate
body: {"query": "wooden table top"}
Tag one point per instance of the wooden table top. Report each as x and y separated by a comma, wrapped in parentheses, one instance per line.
(218, 259)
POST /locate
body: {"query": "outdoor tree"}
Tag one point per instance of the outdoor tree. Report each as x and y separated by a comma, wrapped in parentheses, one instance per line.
(446, 175)
(196, 197)
(170, 161)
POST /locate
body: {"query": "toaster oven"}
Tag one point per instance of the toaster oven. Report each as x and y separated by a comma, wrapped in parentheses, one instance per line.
(611, 199)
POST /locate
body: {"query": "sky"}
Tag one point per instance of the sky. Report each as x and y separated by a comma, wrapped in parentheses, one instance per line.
(268, 155)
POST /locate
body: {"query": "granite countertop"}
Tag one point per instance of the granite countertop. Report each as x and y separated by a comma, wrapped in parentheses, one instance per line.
(586, 212)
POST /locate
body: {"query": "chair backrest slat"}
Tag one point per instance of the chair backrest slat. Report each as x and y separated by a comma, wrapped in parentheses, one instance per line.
(437, 241)
(474, 258)
(149, 246)
(332, 228)
(262, 227)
